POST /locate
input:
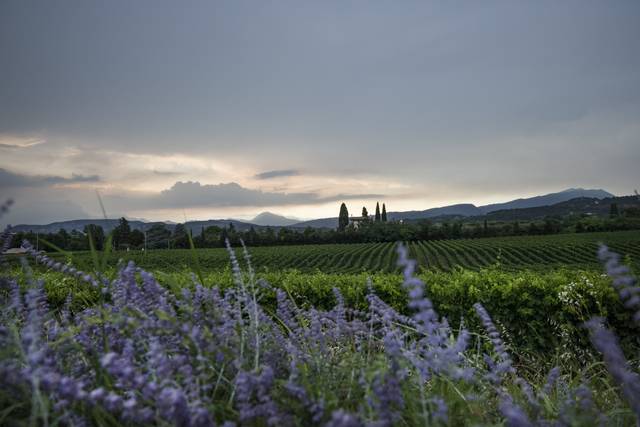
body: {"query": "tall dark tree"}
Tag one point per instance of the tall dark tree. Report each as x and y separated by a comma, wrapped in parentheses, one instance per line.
(365, 213)
(121, 233)
(212, 236)
(224, 235)
(202, 238)
(343, 217)
(384, 213)
(136, 239)
(180, 238)
(96, 234)
(158, 237)
(251, 237)
(377, 212)
(270, 235)
(613, 210)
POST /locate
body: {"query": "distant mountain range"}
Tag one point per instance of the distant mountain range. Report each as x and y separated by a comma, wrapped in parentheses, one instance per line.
(271, 219)
(547, 199)
(470, 210)
(573, 200)
(580, 205)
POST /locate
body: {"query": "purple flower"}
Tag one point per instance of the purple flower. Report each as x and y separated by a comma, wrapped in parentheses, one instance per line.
(340, 418)
(552, 379)
(623, 281)
(505, 364)
(606, 343)
(434, 352)
(172, 404)
(514, 415)
(388, 402)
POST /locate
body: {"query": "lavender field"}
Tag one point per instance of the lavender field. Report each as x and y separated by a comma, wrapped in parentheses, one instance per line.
(248, 354)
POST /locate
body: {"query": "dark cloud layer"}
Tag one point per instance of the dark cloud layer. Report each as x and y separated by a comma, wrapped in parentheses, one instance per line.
(14, 180)
(277, 174)
(195, 194)
(463, 101)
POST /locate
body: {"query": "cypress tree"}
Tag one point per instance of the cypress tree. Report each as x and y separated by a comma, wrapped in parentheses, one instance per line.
(365, 213)
(384, 213)
(343, 218)
(377, 211)
(613, 210)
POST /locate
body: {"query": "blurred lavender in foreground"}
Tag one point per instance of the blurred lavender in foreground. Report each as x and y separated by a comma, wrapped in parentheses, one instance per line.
(622, 280)
(208, 356)
(606, 343)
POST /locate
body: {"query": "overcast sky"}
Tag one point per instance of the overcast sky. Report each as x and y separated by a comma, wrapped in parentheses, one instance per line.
(209, 109)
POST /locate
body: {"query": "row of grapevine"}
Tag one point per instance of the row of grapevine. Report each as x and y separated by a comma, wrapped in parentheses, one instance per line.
(572, 250)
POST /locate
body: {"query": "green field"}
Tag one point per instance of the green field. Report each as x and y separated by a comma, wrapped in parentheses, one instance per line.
(539, 310)
(511, 253)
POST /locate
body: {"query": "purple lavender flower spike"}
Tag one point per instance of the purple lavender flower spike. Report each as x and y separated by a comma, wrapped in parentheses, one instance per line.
(172, 403)
(505, 364)
(622, 279)
(342, 418)
(440, 412)
(514, 415)
(43, 259)
(606, 343)
(552, 379)
(388, 392)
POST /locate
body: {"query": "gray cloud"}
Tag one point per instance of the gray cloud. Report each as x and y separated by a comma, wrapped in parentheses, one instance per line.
(17, 142)
(12, 180)
(194, 194)
(277, 174)
(462, 101)
(166, 173)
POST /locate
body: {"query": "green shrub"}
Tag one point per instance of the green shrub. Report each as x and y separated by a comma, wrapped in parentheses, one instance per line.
(539, 312)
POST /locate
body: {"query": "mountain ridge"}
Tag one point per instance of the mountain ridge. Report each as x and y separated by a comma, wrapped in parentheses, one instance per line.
(471, 210)
(457, 210)
(274, 220)
(547, 199)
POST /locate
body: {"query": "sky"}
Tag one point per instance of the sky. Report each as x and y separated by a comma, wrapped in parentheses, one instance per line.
(216, 109)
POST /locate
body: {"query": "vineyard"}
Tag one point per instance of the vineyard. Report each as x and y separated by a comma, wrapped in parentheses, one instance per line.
(511, 253)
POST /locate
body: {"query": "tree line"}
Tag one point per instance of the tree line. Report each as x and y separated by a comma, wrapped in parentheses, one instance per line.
(159, 236)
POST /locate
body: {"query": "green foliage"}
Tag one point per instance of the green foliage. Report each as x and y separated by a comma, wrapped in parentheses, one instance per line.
(121, 234)
(613, 210)
(181, 237)
(95, 235)
(541, 313)
(513, 253)
(158, 237)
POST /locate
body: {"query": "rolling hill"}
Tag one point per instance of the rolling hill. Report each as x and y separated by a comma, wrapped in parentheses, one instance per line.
(547, 199)
(271, 219)
(571, 201)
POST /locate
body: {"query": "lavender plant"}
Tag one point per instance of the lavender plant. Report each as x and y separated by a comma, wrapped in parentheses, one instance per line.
(205, 356)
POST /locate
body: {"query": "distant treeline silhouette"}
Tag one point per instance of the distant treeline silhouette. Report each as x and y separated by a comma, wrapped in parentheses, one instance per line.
(160, 237)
